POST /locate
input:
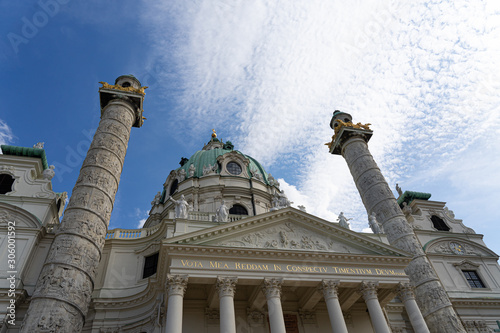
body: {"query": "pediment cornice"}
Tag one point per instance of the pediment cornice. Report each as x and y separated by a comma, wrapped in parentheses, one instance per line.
(291, 215)
(220, 252)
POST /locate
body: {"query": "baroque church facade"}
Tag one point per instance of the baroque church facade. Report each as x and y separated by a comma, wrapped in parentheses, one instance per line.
(223, 251)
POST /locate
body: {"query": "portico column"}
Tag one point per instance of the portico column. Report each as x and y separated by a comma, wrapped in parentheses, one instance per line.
(405, 293)
(176, 287)
(226, 286)
(330, 293)
(369, 292)
(272, 290)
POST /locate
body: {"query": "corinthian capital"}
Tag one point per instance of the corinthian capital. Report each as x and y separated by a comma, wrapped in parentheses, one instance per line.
(177, 284)
(329, 288)
(272, 288)
(405, 291)
(368, 290)
(226, 286)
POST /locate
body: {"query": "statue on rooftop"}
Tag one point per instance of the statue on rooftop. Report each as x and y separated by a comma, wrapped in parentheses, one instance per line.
(398, 189)
(181, 175)
(406, 209)
(181, 207)
(256, 174)
(222, 212)
(270, 179)
(374, 225)
(280, 200)
(157, 199)
(39, 145)
(343, 221)
(191, 170)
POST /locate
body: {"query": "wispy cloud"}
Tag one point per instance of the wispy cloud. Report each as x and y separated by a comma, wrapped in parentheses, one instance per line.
(6, 135)
(424, 74)
(142, 216)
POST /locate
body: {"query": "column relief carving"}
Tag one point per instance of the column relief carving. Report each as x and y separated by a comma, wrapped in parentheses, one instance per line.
(378, 198)
(176, 284)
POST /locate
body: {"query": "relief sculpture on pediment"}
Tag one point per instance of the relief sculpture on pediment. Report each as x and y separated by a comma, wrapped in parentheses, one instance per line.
(289, 236)
(456, 248)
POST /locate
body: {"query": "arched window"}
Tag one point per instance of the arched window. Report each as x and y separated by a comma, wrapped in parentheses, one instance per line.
(173, 187)
(6, 182)
(439, 224)
(125, 84)
(238, 210)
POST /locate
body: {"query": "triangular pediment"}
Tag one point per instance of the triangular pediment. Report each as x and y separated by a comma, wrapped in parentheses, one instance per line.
(288, 229)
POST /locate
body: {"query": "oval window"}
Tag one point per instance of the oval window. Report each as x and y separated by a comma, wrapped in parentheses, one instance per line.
(233, 168)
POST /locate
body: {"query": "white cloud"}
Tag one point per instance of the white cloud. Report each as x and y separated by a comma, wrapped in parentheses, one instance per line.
(141, 223)
(142, 215)
(424, 74)
(6, 135)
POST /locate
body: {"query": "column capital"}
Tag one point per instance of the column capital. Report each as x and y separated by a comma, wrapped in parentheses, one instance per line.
(272, 288)
(368, 289)
(344, 129)
(405, 291)
(329, 288)
(226, 286)
(176, 284)
(128, 90)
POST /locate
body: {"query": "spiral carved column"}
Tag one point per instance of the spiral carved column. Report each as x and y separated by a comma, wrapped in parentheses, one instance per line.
(351, 142)
(62, 295)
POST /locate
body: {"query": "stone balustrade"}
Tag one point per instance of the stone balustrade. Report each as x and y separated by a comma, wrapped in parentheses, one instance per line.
(131, 233)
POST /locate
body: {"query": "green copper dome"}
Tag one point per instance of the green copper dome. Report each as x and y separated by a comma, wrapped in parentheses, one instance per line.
(207, 158)
(204, 158)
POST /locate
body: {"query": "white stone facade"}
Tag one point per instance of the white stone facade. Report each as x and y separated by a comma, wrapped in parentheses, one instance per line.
(270, 270)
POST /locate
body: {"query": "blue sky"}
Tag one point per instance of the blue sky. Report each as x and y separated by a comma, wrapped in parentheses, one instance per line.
(267, 75)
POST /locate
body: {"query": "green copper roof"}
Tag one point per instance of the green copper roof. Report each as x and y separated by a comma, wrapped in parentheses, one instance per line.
(409, 196)
(28, 152)
(204, 158)
(209, 157)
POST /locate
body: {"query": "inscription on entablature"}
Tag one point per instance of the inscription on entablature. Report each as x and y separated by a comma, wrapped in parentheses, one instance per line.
(280, 267)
